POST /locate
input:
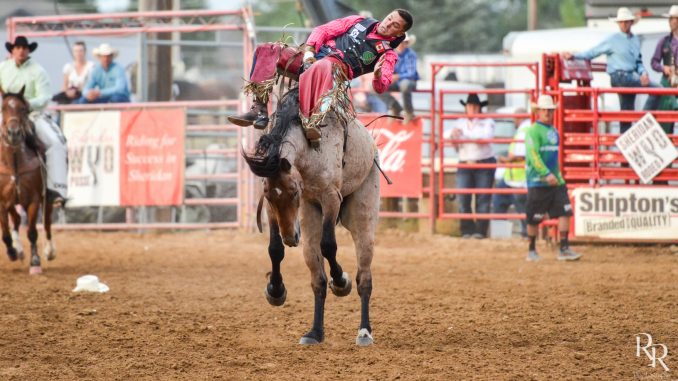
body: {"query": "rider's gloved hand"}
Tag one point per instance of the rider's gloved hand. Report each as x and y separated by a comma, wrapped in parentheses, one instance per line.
(309, 59)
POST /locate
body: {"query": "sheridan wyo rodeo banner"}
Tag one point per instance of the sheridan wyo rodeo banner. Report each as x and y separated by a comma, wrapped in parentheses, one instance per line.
(399, 148)
(626, 213)
(125, 158)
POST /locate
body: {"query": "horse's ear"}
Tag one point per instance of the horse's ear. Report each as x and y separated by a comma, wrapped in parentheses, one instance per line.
(21, 92)
(285, 165)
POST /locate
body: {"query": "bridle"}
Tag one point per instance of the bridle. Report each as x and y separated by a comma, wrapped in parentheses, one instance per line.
(4, 134)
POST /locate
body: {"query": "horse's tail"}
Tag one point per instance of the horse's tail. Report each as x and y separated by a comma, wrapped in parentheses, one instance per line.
(265, 161)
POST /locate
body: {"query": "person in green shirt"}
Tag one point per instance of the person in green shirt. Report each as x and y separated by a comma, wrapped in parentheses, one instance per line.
(17, 72)
(546, 191)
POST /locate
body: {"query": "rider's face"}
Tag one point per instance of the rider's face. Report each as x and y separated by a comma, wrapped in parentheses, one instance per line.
(20, 53)
(392, 26)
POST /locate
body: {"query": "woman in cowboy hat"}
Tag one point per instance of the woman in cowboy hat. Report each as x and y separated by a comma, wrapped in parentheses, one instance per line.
(474, 128)
(108, 82)
(546, 191)
(17, 72)
(624, 62)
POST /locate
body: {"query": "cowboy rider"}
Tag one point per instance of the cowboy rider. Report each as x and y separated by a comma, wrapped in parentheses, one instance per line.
(18, 72)
(355, 45)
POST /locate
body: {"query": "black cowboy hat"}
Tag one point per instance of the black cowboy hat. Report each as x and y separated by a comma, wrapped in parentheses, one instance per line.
(21, 41)
(474, 100)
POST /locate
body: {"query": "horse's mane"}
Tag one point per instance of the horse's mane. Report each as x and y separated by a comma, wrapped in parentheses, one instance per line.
(265, 162)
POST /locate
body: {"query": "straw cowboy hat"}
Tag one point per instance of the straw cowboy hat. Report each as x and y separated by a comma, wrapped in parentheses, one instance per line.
(623, 14)
(410, 39)
(474, 100)
(21, 41)
(90, 283)
(544, 102)
(105, 50)
(673, 12)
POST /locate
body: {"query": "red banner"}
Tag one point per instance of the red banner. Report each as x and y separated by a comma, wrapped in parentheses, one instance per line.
(152, 157)
(399, 148)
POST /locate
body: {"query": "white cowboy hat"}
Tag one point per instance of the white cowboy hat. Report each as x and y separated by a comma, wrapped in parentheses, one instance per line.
(105, 50)
(544, 102)
(623, 14)
(90, 283)
(410, 39)
(673, 12)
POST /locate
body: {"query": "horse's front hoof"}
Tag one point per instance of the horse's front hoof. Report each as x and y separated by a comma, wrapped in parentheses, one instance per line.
(12, 254)
(279, 301)
(35, 270)
(341, 291)
(311, 338)
(364, 338)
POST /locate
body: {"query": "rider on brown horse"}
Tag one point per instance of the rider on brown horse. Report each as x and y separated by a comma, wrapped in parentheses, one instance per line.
(344, 49)
(20, 71)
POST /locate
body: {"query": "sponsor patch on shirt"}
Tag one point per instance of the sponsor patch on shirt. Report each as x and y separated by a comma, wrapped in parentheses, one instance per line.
(360, 27)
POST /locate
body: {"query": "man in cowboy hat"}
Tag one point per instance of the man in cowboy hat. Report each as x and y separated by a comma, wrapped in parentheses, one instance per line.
(108, 82)
(546, 191)
(664, 61)
(624, 62)
(344, 49)
(473, 127)
(405, 77)
(20, 71)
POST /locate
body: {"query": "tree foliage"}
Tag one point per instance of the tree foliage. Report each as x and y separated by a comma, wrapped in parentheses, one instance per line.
(447, 26)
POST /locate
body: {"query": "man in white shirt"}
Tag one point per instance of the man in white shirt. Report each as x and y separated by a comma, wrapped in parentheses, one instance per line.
(474, 128)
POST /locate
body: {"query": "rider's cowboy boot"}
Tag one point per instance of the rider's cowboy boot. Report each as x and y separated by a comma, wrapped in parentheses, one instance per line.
(258, 115)
(313, 136)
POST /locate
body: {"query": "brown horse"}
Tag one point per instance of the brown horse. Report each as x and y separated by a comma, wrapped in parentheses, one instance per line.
(21, 180)
(337, 182)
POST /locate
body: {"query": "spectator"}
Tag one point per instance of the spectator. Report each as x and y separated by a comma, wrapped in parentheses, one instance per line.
(546, 191)
(366, 100)
(664, 61)
(405, 77)
(513, 178)
(624, 63)
(474, 153)
(76, 75)
(108, 82)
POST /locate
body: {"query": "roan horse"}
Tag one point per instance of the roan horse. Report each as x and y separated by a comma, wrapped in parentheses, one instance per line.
(338, 182)
(21, 181)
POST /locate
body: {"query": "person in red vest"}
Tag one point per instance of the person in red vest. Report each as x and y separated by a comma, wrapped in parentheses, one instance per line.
(336, 52)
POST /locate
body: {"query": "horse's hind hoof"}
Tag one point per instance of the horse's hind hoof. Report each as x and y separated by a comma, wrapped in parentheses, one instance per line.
(35, 270)
(341, 291)
(277, 302)
(12, 254)
(364, 338)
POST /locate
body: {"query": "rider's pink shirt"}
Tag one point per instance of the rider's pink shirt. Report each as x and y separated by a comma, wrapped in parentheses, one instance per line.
(326, 33)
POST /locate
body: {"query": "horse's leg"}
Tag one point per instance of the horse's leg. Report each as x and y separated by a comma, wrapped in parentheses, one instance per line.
(6, 236)
(32, 213)
(49, 251)
(340, 282)
(16, 238)
(311, 229)
(275, 290)
(360, 216)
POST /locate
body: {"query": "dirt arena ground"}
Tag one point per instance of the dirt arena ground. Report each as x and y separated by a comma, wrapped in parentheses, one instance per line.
(190, 306)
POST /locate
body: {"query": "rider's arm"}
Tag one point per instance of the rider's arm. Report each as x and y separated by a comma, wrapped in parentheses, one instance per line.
(42, 90)
(323, 33)
(382, 83)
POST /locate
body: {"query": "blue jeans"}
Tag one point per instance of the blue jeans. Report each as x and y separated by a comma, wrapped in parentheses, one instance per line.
(502, 202)
(475, 178)
(405, 87)
(627, 101)
(113, 98)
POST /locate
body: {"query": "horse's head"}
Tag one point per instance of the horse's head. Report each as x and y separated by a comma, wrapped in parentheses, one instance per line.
(283, 193)
(15, 120)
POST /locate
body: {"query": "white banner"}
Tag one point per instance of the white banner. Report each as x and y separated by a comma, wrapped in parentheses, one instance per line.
(94, 157)
(647, 148)
(627, 213)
